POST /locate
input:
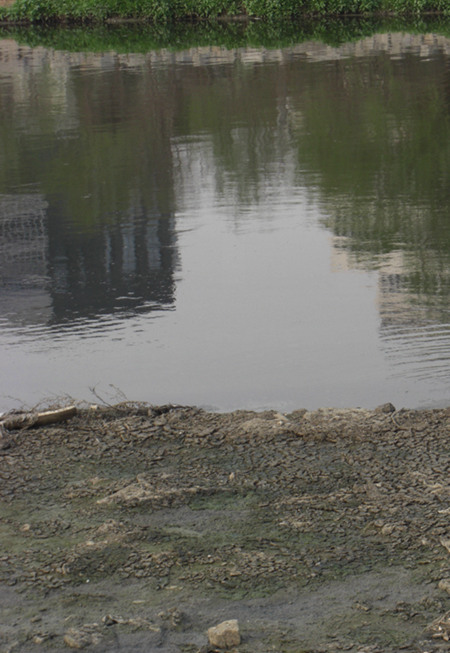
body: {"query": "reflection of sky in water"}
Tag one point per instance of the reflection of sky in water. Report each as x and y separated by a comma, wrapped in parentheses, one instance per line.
(244, 289)
(264, 315)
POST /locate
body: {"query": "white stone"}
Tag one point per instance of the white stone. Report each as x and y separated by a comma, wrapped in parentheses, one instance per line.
(225, 635)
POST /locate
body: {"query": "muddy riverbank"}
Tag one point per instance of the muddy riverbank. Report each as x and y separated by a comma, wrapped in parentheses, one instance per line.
(137, 528)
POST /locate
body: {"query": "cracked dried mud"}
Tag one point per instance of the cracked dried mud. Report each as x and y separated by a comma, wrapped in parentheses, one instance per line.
(136, 528)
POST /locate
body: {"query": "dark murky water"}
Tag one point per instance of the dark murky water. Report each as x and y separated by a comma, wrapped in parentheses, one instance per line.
(231, 228)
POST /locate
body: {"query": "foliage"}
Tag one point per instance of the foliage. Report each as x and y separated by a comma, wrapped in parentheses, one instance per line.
(169, 10)
(183, 35)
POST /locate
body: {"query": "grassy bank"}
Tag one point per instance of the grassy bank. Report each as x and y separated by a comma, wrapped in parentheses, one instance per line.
(170, 10)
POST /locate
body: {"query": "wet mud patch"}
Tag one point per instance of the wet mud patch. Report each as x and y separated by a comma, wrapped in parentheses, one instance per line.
(137, 528)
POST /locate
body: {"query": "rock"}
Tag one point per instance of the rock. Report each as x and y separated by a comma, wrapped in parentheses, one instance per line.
(131, 494)
(298, 414)
(225, 635)
(445, 541)
(173, 617)
(110, 620)
(440, 628)
(260, 427)
(385, 408)
(76, 639)
(5, 441)
(82, 637)
(256, 425)
(444, 584)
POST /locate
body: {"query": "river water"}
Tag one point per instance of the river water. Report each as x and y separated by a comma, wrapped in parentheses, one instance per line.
(232, 228)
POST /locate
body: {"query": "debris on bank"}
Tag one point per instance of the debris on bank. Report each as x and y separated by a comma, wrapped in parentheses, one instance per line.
(27, 420)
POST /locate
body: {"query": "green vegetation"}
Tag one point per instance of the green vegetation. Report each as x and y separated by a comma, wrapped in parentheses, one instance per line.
(142, 38)
(170, 10)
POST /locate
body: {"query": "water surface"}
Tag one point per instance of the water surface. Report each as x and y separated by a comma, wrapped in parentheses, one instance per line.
(231, 228)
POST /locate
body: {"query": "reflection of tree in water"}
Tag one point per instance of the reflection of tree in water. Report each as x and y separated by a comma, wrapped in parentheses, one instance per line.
(367, 137)
(378, 134)
(110, 240)
(372, 143)
(246, 119)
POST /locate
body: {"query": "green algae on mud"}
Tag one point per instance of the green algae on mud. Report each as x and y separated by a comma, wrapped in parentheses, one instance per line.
(318, 530)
